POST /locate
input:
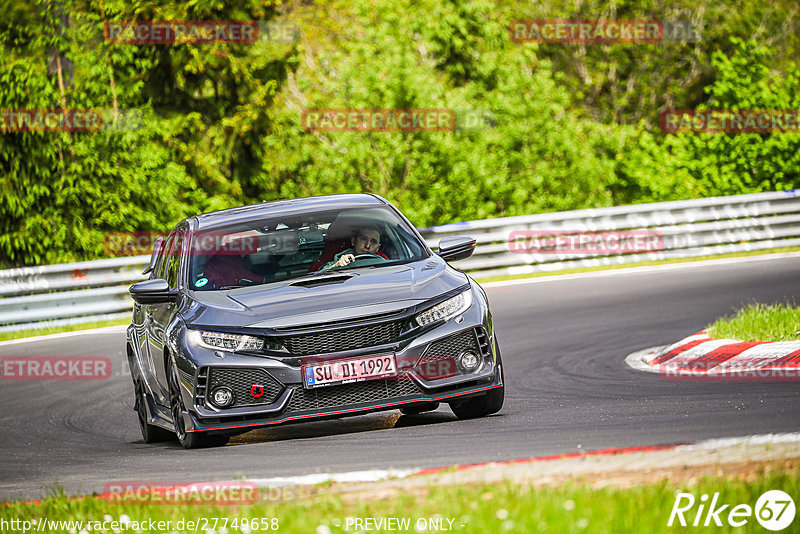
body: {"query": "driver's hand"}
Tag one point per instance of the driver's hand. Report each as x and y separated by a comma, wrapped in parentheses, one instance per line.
(344, 260)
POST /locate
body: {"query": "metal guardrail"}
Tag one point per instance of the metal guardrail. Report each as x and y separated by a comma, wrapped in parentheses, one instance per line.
(68, 293)
(71, 293)
(686, 228)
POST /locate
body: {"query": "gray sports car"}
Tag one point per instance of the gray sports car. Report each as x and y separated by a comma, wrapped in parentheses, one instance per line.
(304, 309)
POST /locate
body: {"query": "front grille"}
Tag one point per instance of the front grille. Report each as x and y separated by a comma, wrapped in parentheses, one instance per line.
(348, 394)
(358, 337)
(452, 346)
(241, 380)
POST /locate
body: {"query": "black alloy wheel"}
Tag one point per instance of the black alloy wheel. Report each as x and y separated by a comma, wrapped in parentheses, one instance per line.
(150, 433)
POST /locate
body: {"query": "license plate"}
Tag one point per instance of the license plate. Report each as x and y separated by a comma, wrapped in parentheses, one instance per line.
(352, 370)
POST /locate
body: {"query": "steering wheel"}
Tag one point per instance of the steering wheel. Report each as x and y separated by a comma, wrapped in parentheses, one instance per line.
(365, 260)
(361, 260)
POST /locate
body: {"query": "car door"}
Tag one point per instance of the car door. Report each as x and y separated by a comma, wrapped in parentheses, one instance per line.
(142, 311)
(154, 353)
(162, 314)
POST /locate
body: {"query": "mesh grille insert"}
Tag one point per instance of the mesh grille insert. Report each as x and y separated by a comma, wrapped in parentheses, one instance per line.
(452, 346)
(241, 380)
(348, 394)
(439, 360)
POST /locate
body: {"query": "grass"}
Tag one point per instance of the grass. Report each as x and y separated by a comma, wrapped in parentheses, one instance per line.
(59, 329)
(481, 508)
(639, 264)
(760, 322)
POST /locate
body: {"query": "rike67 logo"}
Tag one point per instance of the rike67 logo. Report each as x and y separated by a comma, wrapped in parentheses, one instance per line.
(774, 510)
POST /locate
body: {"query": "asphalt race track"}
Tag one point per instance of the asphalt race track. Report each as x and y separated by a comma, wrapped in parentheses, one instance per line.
(567, 388)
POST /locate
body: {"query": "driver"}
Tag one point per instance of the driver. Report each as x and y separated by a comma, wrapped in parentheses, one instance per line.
(366, 241)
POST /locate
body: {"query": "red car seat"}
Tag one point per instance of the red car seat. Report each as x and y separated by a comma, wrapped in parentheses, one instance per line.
(332, 248)
(226, 270)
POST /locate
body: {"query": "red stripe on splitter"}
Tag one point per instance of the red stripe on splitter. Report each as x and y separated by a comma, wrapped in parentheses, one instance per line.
(678, 351)
(719, 355)
(790, 360)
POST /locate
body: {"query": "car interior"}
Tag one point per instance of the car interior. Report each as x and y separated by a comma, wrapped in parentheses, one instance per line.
(291, 247)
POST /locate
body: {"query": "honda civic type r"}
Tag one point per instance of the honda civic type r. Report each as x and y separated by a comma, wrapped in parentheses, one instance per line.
(305, 309)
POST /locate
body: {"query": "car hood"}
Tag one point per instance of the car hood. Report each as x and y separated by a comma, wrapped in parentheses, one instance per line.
(347, 294)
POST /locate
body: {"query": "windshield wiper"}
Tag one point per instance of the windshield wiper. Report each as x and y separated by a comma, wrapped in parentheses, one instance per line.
(306, 282)
(325, 272)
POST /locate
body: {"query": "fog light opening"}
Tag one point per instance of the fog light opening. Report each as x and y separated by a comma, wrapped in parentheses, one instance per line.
(469, 361)
(222, 397)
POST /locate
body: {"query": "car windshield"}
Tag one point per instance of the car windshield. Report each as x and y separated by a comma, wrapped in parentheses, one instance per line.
(282, 248)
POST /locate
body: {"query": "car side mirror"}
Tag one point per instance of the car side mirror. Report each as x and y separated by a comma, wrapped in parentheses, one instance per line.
(456, 248)
(155, 291)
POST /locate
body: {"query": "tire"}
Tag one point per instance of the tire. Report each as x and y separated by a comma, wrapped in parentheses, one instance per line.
(415, 409)
(150, 433)
(189, 440)
(486, 404)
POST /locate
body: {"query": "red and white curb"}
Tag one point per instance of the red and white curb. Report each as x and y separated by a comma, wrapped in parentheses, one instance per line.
(701, 356)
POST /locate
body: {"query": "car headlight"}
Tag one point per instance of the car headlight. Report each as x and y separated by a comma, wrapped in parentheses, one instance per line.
(447, 309)
(220, 340)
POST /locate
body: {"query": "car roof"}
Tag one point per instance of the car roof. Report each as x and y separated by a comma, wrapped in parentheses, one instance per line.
(291, 207)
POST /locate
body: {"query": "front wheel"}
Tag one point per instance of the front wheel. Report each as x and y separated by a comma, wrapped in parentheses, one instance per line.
(189, 440)
(486, 404)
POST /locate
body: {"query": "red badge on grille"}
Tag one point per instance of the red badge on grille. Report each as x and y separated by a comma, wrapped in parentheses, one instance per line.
(257, 390)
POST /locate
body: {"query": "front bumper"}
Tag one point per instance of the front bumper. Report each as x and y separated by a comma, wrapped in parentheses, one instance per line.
(244, 423)
(286, 400)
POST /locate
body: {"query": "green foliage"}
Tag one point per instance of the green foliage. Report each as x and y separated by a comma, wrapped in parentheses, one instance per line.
(535, 155)
(747, 162)
(632, 82)
(196, 109)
